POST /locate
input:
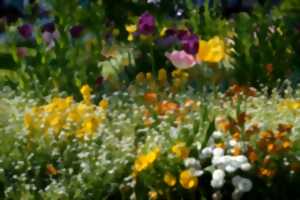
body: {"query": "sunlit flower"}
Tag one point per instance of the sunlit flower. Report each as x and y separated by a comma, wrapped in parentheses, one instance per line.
(153, 195)
(131, 29)
(181, 59)
(211, 51)
(188, 180)
(143, 161)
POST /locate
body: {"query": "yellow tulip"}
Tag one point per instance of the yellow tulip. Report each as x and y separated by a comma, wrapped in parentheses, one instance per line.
(211, 51)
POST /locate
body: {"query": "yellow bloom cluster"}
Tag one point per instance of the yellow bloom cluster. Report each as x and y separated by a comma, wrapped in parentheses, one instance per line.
(64, 114)
(212, 50)
(289, 104)
(143, 161)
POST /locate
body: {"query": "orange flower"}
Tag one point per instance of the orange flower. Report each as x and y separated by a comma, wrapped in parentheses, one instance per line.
(51, 169)
(266, 135)
(166, 106)
(236, 151)
(236, 136)
(286, 144)
(266, 172)
(222, 124)
(271, 148)
(150, 97)
(252, 156)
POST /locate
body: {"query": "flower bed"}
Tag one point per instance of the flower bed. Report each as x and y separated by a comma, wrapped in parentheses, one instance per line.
(169, 100)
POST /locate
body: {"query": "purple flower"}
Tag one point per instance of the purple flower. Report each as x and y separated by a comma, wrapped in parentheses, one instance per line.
(76, 31)
(167, 41)
(190, 43)
(25, 31)
(146, 24)
(181, 34)
(48, 27)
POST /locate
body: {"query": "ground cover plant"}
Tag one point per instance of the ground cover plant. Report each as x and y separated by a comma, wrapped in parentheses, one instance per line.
(153, 99)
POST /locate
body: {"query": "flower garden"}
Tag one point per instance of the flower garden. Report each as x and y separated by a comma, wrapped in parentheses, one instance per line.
(150, 99)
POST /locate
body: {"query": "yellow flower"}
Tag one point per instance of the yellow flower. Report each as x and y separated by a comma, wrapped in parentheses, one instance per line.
(289, 104)
(86, 93)
(162, 76)
(90, 125)
(187, 180)
(180, 150)
(153, 195)
(130, 29)
(144, 160)
(169, 179)
(104, 104)
(211, 51)
(73, 116)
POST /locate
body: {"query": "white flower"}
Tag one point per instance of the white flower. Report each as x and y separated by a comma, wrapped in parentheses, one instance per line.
(217, 134)
(217, 152)
(218, 178)
(218, 174)
(230, 168)
(246, 167)
(192, 162)
(217, 183)
(206, 152)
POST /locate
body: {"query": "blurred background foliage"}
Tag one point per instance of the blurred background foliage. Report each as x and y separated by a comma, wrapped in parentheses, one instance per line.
(87, 41)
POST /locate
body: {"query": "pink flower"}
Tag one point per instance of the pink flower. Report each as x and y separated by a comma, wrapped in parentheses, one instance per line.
(181, 59)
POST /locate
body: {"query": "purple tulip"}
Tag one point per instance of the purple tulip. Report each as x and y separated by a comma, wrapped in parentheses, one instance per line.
(25, 31)
(146, 24)
(181, 34)
(48, 27)
(76, 31)
(190, 43)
